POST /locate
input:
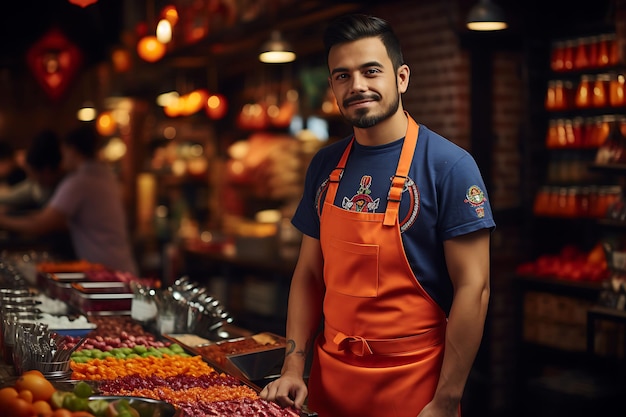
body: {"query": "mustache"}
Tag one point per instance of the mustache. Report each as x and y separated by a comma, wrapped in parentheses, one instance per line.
(361, 97)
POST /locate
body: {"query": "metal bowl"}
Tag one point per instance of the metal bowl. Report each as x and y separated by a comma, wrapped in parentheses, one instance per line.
(147, 407)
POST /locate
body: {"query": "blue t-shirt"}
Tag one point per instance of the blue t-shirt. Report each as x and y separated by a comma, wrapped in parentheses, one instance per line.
(444, 197)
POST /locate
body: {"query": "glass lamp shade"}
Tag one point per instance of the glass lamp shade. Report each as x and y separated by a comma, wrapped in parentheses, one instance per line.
(276, 50)
(486, 16)
(150, 49)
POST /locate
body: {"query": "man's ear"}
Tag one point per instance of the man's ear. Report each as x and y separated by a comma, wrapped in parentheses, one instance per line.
(403, 75)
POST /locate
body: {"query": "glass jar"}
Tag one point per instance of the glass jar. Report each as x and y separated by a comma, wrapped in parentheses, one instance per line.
(582, 99)
(617, 90)
(561, 134)
(581, 60)
(583, 202)
(550, 102)
(613, 46)
(561, 101)
(599, 95)
(604, 58)
(570, 140)
(556, 56)
(603, 127)
(551, 135)
(568, 55)
(578, 132)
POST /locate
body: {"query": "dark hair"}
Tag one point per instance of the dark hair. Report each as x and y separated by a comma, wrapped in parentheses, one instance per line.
(44, 151)
(353, 27)
(84, 139)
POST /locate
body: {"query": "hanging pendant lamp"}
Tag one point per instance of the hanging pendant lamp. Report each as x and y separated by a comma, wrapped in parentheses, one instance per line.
(486, 16)
(276, 50)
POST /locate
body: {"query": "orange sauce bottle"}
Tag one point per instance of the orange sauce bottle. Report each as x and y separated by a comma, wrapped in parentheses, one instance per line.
(582, 99)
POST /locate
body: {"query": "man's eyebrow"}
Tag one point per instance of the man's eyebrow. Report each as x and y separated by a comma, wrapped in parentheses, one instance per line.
(362, 66)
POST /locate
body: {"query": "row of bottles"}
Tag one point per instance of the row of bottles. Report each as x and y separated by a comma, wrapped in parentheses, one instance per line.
(576, 201)
(582, 132)
(585, 52)
(591, 91)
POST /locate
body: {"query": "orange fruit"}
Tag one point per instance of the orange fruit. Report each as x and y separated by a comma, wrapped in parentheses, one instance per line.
(18, 407)
(62, 412)
(33, 372)
(41, 388)
(7, 394)
(26, 394)
(42, 408)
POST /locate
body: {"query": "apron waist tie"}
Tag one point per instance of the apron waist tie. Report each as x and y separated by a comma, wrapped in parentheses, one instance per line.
(361, 346)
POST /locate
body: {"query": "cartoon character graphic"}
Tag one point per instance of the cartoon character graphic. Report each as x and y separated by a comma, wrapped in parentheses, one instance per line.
(361, 201)
(476, 198)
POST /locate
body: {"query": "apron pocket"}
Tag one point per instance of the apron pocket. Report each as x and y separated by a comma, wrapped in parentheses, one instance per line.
(354, 269)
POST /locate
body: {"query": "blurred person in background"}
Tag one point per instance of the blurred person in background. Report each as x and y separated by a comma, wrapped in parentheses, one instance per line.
(43, 167)
(87, 202)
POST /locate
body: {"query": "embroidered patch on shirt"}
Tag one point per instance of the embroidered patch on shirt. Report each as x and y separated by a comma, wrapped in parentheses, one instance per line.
(361, 201)
(476, 199)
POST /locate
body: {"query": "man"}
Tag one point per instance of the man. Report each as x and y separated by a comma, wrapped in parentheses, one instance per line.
(395, 252)
(88, 202)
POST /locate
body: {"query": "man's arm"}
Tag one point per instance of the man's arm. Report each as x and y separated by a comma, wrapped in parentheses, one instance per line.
(467, 259)
(19, 194)
(41, 222)
(303, 319)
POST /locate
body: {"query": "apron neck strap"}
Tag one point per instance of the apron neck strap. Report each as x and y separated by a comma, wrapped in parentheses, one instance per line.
(402, 171)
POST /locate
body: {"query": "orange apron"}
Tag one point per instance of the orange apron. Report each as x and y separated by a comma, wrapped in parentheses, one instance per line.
(381, 350)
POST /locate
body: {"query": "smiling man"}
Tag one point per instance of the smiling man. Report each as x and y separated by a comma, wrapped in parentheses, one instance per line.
(395, 253)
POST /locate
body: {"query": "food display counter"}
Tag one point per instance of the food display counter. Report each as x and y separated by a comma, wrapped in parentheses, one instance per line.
(202, 365)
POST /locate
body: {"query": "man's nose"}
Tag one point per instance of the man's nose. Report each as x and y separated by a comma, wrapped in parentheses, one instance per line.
(358, 83)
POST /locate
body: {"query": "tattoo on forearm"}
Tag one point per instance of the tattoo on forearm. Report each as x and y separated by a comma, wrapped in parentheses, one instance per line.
(291, 349)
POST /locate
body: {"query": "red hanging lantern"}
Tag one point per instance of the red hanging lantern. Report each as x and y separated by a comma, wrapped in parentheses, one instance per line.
(83, 3)
(54, 61)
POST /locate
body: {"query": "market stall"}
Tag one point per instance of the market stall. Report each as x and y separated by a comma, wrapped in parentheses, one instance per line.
(105, 340)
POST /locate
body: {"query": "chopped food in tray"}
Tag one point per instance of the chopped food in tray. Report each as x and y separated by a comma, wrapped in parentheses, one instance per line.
(218, 352)
(101, 296)
(189, 339)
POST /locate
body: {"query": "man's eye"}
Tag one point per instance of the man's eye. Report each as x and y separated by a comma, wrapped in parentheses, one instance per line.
(341, 76)
(372, 71)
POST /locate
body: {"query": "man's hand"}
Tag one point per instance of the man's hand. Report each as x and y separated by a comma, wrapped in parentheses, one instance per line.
(288, 391)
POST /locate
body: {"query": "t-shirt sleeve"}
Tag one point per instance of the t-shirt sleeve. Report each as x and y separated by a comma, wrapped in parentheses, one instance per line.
(463, 201)
(66, 197)
(306, 218)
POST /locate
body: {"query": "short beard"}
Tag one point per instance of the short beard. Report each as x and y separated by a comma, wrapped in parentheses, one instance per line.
(363, 121)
